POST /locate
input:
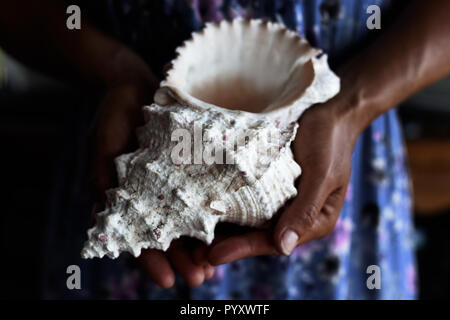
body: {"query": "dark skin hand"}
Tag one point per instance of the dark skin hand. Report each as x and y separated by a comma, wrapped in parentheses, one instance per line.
(412, 54)
(119, 116)
(324, 152)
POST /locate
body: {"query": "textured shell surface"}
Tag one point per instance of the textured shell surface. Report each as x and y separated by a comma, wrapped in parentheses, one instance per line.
(240, 86)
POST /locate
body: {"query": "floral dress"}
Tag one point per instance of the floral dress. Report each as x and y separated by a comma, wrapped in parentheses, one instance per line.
(374, 227)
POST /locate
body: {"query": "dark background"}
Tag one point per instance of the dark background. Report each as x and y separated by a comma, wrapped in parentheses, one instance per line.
(40, 131)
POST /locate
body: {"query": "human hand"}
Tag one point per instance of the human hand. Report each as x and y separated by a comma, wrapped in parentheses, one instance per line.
(118, 117)
(323, 148)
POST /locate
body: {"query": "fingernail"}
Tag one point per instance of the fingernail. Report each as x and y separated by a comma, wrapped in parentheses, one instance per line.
(288, 241)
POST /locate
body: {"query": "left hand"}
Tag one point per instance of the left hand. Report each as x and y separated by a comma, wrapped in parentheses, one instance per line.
(114, 133)
(323, 148)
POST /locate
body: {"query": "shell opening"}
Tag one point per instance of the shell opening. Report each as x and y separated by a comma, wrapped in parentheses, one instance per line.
(241, 92)
(250, 66)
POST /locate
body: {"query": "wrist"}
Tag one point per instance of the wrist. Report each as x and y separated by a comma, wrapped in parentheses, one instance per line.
(355, 104)
(346, 112)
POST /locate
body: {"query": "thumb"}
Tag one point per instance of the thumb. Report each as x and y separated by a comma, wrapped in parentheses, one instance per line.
(299, 221)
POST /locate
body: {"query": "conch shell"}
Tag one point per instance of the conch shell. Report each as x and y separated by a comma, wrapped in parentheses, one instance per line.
(240, 87)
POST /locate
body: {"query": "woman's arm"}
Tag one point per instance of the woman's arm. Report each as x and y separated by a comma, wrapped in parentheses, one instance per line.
(412, 54)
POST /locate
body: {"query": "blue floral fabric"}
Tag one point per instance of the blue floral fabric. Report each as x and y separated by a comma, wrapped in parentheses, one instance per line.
(375, 226)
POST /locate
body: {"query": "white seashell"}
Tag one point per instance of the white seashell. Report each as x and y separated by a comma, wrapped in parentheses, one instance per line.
(244, 76)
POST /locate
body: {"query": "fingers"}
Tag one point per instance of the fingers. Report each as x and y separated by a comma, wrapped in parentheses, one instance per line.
(209, 271)
(200, 258)
(193, 267)
(157, 267)
(302, 218)
(242, 246)
(199, 254)
(163, 97)
(182, 262)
